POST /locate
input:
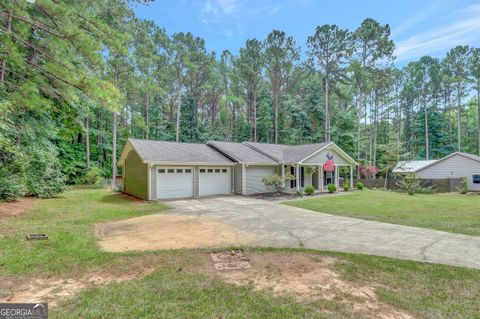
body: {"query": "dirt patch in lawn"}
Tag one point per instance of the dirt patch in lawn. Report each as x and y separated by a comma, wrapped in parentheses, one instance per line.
(52, 290)
(309, 278)
(155, 232)
(16, 208)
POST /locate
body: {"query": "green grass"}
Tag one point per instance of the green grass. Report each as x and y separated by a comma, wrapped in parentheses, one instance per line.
(447, 212)
(166, 294)
(68, 221)
(424, 290)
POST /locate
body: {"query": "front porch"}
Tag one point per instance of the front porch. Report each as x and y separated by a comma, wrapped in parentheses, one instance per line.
(318, 175)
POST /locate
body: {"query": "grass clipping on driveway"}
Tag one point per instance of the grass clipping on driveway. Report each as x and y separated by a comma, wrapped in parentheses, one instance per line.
(183, 284)
(446, 212)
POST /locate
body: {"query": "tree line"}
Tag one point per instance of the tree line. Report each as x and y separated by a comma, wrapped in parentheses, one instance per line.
(77, 78)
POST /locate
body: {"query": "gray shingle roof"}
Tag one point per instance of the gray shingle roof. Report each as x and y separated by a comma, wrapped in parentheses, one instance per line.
(286, 153)
(240, 152)
(159, 151)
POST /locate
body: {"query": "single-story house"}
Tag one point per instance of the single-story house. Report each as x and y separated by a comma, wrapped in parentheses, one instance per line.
(455, 165)
(165, 170)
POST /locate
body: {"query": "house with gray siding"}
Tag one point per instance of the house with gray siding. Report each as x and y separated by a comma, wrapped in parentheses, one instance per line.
(453, 166)
(157, 170)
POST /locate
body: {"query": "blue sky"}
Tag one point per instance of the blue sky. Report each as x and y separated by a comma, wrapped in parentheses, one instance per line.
(419, 27)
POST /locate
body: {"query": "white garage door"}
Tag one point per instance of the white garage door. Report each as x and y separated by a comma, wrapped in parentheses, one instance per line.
(214, 181)
(174, 182)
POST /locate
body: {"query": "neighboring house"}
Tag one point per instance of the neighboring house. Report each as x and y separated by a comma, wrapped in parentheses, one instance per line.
(164, 170)
(455, 165)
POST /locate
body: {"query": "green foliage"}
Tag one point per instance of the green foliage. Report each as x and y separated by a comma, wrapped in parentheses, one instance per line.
(346, 186)
(331, 188)
(93, 177)
(11, 186)
(275, 181)
(464, 186)
(408, 183)
(360, 185)
(309, 190)
(299, 193)
(44, 177)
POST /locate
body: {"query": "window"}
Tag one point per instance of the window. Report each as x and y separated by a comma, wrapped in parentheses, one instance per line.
(476, 179)
(210, 170)
(161, 171)
(179, 170)
(224, 170)
(188, 170)
(171, 170)
(202, 170)
(217, 170)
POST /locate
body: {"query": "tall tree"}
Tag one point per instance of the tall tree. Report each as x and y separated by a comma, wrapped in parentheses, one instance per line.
(474, 65)
(179, 63)
(250, 64)
(372, 45)
(330, 47)
(281, 54)
(456, 61)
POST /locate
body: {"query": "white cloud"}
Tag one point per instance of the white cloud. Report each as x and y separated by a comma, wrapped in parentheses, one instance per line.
(218, 7)
(464, 28)
(413, 21)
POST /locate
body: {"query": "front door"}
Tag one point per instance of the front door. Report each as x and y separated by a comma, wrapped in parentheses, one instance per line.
(328, 178)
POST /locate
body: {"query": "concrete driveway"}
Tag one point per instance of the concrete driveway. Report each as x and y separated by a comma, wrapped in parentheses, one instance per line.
(237, 220)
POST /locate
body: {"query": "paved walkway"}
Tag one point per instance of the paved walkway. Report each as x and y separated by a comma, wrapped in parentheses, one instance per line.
(272, 224)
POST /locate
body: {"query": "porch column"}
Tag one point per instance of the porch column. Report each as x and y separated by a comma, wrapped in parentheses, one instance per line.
(297, 177)
(283, 176)
(320, 175)
(351, 176)
(336, 177)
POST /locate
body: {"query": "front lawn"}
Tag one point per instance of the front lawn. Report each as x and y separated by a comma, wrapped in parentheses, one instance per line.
(182, 284)
(447, 212)
(69, 222)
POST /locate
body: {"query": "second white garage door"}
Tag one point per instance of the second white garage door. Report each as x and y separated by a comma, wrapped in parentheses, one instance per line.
(214, 181)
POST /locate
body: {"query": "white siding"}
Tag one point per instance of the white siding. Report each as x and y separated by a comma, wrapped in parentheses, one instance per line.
(321, 157)
(238, 179)
(254, 177)
(456, 166)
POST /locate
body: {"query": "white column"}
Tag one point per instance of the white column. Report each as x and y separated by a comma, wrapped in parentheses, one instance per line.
(336, 177)
(320, 171)
(297, 177)
(351, 176)
(283, 176)
(319, 177)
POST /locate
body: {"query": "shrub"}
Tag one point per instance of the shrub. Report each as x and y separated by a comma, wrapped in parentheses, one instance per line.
(331, 188)
(360, 185)
(43, 173)
(275, 181)
(346, 186)
(309, 190)
(93, 177)
(299, 193)
(464, 186)
(409, 183)
(11, 187)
